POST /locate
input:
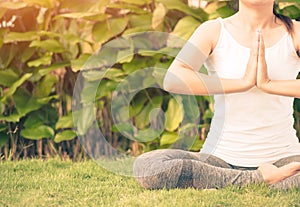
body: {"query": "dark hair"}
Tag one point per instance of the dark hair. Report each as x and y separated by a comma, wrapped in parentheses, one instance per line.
(286, 20)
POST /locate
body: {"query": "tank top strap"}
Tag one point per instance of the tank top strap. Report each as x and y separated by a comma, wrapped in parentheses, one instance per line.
(223, 38)
(290, 44)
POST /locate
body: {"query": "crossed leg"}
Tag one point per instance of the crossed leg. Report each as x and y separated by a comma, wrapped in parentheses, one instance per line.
(172, 168)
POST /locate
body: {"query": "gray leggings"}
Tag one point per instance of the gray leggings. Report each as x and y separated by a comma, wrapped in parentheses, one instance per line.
(173, 168)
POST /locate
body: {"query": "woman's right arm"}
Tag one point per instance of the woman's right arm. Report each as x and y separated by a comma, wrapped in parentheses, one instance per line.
(183, 77)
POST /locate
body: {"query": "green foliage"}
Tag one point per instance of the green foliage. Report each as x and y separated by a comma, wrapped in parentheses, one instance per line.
(44, 44)
(174, 114)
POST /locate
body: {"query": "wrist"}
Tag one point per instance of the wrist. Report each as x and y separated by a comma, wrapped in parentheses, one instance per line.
(263, 85)
(248, 83)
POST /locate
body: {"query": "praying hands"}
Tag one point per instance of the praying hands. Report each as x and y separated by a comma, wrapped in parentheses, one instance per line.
(260, 70)
(183, 79)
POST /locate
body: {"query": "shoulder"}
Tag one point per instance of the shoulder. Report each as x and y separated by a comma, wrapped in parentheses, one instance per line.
(296, 35)
(208, 32)
(209, 28)
(213, 24)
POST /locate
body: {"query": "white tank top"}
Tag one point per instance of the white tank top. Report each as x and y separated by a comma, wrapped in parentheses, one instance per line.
(252, 127)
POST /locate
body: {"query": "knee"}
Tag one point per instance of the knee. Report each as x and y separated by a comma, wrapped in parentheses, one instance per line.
(144, 172)
(153, 162)
(156, 170)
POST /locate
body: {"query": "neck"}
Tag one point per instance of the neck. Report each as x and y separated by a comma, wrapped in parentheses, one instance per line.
(256, 16)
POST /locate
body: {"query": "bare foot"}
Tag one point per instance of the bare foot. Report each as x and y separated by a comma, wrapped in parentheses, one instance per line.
(273, 174)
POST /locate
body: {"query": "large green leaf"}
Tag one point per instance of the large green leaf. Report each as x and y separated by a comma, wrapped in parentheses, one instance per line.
(185, 27)
(174, 114)
(129, 7)
(20, 37)
(106, 88)
(191, 108)
(78, 64)
(89, 91)
(84, 118)
(137, 104)
(8, 52)
(44, 87)
(73, 39)
(285, 3)
(197, 145)
(65, 122)
(208, 114)
(134, 65)
(180, 6)
(8, 77)
(292, 11)
(27, 54)
(44, 60)
(37, 133)
(126, 54)
(159, 15)
(142, 120)
(33, 121)
(50, 34)
(50, 45)
(168, 138)
(134, 30)
(225, 11)
(54, 66)
(45, 100)
(93, 75)
(15, 117)
(105, 30)
(140, 20)
(85, 15)
(46, 115)
(64, 136)
(147, 135)
(114, 74)
(15, 86)
(105, 58)
(24, 102)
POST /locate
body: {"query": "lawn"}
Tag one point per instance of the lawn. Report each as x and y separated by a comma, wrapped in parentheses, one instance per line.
(66, 183)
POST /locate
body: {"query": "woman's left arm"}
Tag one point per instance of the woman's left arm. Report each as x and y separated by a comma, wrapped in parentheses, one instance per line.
(278, 87)
(282, 87)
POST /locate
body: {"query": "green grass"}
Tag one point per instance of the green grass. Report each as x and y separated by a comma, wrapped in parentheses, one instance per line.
(64, 183)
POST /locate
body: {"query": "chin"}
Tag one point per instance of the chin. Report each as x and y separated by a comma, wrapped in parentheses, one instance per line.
(257, 2)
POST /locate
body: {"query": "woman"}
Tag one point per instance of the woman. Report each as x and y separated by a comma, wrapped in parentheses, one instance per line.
(253, 61)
